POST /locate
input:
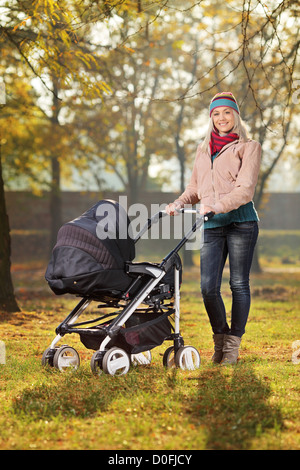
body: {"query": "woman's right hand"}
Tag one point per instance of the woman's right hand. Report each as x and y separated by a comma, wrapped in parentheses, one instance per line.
(173, 208)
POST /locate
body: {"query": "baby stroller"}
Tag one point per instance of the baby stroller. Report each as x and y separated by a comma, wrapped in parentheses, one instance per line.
(138, 302)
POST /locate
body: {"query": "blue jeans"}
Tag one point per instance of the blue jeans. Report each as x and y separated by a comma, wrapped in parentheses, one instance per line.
(237, 241)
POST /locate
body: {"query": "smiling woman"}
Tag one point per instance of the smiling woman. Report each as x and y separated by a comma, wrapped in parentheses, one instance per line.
(224, 178)
(223, 120)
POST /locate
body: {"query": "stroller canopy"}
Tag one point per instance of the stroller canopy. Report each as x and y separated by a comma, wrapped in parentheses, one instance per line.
(91, 252)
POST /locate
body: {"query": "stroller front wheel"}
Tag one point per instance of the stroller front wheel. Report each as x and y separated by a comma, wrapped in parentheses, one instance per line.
(66, 358)
(116, 362)
(187, 358)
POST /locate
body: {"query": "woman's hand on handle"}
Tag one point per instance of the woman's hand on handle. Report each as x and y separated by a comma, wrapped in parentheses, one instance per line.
(204, 209)
(173, 208)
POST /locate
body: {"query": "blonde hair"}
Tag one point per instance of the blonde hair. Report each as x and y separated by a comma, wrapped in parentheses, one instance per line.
(239, 128)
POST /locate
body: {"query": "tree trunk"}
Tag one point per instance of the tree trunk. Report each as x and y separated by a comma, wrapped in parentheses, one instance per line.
(187, 254)
(55, 194)
(8, 301)
(55, 202)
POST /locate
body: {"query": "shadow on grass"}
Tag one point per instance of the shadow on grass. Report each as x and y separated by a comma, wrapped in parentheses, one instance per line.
(75, 393)
(232, 403)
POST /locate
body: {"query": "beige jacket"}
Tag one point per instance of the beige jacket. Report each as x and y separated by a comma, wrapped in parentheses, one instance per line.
(229, 182)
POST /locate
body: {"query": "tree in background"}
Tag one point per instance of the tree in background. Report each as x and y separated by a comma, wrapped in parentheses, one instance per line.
(133, 125)
(45, 38)
(160, 62)
(8, 302)
(60, 43)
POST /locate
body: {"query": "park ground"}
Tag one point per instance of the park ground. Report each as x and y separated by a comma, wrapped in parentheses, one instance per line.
(251, 406)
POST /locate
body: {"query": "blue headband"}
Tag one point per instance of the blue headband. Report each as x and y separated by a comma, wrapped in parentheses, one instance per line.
(223, 102)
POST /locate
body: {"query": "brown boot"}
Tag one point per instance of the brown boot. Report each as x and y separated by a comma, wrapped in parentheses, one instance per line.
(219, 343)
(231, 349)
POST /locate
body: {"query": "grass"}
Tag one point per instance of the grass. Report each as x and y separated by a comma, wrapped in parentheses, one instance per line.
(251, 406)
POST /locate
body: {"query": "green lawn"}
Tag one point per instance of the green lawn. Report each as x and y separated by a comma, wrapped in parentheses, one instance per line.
(253, 405)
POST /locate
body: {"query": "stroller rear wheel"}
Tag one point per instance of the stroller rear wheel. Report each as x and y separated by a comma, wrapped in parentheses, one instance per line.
(66, 358)
(116, 362)
(187, 358)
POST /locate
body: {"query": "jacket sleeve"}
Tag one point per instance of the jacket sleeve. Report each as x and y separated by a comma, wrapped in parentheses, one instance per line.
(190, 195)
(246, 181)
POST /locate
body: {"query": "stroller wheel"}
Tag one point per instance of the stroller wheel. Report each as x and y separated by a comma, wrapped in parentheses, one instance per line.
(47, 358)
(142, 358)
(65, 358)
(187, 358)
(96, 362)
(169, 357)
(116, 362)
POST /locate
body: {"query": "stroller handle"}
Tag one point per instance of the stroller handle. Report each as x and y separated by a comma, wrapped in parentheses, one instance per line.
(205, 217)
(156, 217)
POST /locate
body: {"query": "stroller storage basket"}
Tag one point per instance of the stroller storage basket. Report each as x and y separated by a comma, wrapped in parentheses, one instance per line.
(145, 335)
(93, 337)
(143, 332)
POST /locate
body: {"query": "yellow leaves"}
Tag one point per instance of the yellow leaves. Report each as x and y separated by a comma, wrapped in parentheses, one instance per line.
(103, 87)
(49, 8)
(64, 37)
(129, 49)
(55, 16)
(177, 44)
(36, 190)
(54, 46)
(46, 5)
(90, 88)
(56, 20)
(87, 59)
(23, 23)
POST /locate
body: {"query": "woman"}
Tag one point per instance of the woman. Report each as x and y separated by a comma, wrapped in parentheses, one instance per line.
(224, 178)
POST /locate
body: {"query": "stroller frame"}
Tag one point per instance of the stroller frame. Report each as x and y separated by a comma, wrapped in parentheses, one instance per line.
(115, 360)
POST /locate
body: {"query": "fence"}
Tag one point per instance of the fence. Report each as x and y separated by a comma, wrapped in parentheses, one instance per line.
(29, 215)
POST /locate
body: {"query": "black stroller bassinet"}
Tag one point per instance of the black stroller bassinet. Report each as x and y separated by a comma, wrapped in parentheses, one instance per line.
(91, 251)
(93, 259)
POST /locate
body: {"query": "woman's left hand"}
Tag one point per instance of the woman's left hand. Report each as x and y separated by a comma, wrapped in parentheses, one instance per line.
(204, 209)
